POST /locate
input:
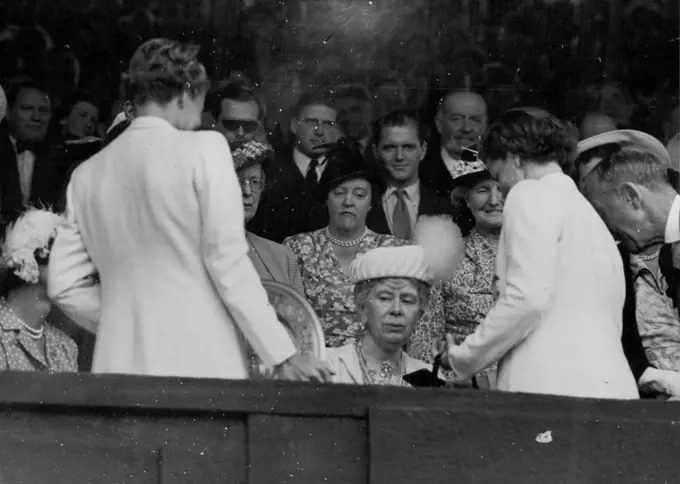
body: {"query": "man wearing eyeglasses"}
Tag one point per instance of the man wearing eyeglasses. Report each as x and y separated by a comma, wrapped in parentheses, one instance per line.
(239, 113)
(290, 205)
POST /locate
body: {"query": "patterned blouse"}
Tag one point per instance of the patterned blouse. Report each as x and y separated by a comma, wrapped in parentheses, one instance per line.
(657, 319)
(20, 352)
(327, 287)
(458, 305)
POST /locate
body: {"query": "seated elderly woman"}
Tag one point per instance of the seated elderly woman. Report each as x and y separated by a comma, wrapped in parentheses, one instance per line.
(27, 342)
(273, 262)
(458, 305)
(391, 292)
(325, 255)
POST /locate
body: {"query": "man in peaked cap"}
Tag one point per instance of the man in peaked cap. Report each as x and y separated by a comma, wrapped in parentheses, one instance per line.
(628, 177)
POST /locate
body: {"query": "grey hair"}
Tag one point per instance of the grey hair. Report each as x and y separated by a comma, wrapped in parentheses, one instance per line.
(628, 165)
(363, 289)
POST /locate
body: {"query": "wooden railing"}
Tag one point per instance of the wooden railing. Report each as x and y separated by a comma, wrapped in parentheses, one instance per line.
(83, 428)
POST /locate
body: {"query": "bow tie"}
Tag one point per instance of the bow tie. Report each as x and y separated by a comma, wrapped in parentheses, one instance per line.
(22, 146)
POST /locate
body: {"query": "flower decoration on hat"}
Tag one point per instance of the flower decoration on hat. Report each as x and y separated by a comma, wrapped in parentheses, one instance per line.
(251, 153)
(436, 257)
(468, 168)
(29, 239)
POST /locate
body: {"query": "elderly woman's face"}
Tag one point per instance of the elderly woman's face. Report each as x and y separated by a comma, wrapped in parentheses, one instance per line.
(485, 201)
(251, 180)
(392, 309)
(348, 205)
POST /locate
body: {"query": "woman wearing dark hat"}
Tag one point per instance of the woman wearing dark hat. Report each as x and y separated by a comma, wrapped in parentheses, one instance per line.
(324, 256)
(458, 305)
(273, 262)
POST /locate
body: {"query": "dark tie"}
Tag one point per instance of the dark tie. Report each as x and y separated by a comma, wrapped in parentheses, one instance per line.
(311, 176)
(401, 219)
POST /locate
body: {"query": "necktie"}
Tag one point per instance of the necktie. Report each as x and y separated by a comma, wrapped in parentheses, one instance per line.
(401, 219)
(311, 176)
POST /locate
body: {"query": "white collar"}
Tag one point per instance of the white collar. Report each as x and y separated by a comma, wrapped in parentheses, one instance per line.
(411, 191)
(302, 161)
(447, 158)
(672, 233)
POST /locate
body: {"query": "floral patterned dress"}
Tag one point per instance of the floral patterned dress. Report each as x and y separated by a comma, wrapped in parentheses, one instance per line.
(327, 287)
(19, 352)
(458, 305)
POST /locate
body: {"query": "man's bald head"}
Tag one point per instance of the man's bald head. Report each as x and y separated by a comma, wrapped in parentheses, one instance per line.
(461, 120)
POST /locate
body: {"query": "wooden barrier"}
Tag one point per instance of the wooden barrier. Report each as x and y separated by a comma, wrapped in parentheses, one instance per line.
(82, 428)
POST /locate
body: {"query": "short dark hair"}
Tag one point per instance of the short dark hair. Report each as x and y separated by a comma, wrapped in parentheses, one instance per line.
(15, 89)
(537, 137)
(162, 69)
(234, 91)
(314, 98)
(80, 96)
(401, 118)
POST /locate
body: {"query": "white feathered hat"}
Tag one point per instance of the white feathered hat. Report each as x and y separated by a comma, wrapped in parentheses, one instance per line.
(33, 233)
(436, 257)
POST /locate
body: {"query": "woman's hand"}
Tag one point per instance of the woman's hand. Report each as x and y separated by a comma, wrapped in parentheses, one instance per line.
(441, 346)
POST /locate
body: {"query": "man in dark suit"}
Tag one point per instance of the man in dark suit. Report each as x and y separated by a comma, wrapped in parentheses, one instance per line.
(290, 204)
(26, 175)
(461, 120)
(400, 146)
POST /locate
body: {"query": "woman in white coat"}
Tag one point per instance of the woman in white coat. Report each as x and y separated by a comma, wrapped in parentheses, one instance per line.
(556, 326)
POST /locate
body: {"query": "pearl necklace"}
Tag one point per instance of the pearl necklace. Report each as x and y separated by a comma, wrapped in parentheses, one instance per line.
(345, 243)
(649, 257)
(32, 332)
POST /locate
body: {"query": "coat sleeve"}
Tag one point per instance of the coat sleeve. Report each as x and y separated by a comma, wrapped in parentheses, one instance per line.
(531, 231)
(71, 276)
(225, 253)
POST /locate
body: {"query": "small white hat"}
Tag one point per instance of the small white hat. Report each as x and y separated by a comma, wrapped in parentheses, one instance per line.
(463, 171)
(404, 262)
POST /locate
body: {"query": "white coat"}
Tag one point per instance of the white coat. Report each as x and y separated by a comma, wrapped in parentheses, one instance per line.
(556, 327)
(158, 215)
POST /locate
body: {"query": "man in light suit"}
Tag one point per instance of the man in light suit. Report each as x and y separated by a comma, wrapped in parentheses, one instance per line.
(557, 324)
(157, 217)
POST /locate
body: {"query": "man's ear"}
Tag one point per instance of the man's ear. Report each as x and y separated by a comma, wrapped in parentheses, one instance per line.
(424, 151)
(293, 125)
(633, 194)
(439, 121)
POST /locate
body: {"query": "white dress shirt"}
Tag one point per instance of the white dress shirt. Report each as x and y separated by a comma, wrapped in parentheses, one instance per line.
(25, 165)
(412, 198)
(556, 326)
(178, 291)
(302, 161)
(672, 233)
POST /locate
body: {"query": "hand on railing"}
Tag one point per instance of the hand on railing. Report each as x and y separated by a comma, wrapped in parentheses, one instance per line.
(304, 367)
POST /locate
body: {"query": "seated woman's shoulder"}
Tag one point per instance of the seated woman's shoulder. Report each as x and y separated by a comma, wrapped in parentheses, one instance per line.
(62, 339)
(300, 239)
(383, 240)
